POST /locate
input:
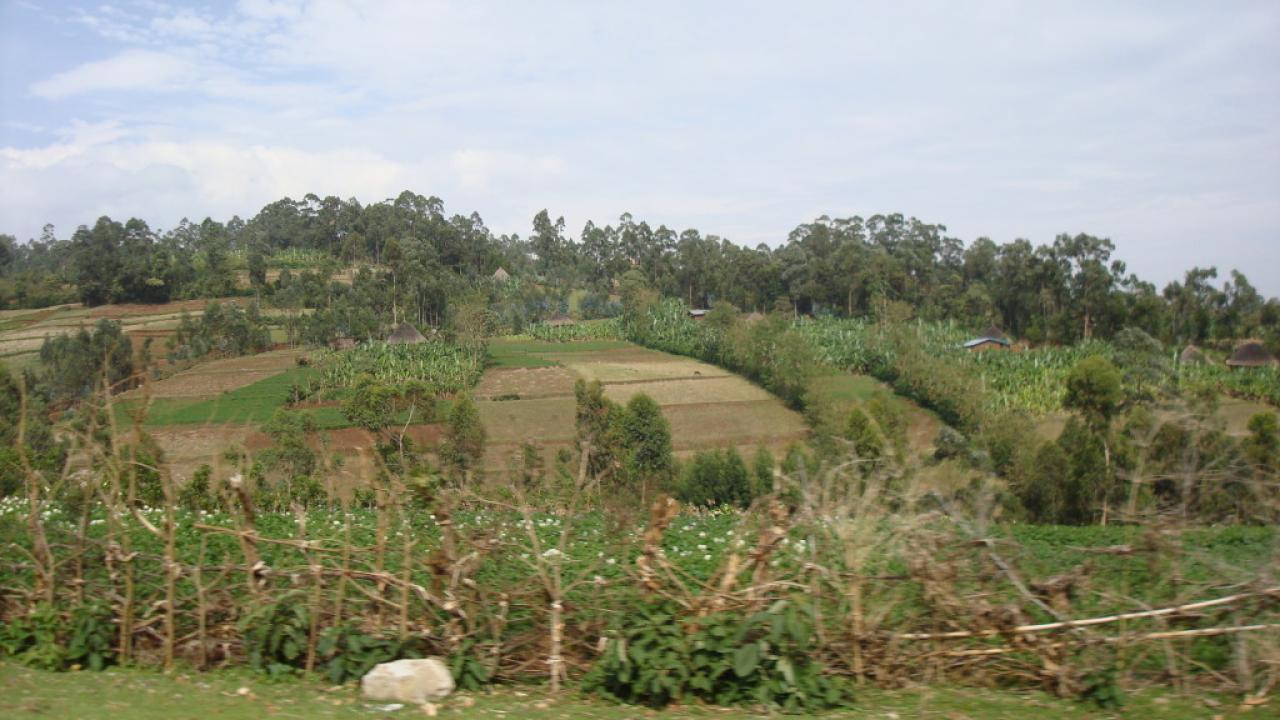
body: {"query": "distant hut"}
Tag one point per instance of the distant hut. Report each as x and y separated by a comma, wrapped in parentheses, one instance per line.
(1191, 355)
(698, 313)
(406, 334)
(501, 275)
(559, 320)
(342, 343)
(1251, 354)
(990, 339)
(754, 317)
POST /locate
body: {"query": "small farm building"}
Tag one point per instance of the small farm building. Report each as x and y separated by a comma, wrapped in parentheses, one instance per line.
(991, 338)
(559, 320)
(501, 275)
(1251, 354)
(698, 313)
(406, 334)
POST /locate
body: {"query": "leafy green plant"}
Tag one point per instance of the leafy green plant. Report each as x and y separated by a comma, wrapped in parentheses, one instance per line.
(658, 657)
(91, 637)
(348, 653)
(469, 673)
(1102, 689)
(35, 639)
(275, 635)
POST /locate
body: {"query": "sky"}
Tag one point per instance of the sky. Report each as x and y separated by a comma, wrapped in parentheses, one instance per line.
(1155, 124)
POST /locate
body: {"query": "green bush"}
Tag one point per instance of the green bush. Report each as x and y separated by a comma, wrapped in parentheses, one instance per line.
(716, 478)
(659, 656)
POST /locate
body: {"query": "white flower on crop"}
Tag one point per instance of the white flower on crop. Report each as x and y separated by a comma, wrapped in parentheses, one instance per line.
(702, 547)
(706, 557)
(610, 561)
(553, 552)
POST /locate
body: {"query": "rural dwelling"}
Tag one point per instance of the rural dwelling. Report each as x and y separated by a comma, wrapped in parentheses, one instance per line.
(342, 343)
(406, 334)
(1251, 354)
(559, 320)
(698, 313)
(1191, 355)
(501, 275)
(754, 317)
(990, 339)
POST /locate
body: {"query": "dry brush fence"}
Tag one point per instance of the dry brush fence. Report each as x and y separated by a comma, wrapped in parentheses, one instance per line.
(510, 585)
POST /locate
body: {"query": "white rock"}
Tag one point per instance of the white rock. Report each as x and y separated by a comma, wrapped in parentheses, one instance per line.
(408, 681)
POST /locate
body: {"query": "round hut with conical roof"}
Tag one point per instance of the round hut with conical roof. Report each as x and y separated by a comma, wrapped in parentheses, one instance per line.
(1191, 355)
(1252, 354)
(501, 275)
(406, 334)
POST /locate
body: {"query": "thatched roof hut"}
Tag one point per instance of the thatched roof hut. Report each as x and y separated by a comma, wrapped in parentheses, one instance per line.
(1251, 353)
(558, 320)
(501, 275)
(1191, 355)
(406, 334)
(754, 317)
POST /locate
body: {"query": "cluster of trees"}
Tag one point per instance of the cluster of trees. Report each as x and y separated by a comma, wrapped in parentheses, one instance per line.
(884, 266)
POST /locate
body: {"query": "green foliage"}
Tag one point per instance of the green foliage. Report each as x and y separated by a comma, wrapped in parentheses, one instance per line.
(868, 444)
(291, 453)
(76, 364)
(222, 330)
(275, 635)
(1262, 447)
(1102, 689)
(1094, 390)
(647, 439)
(46, 640)
(445, 367)
(717, 477)
(464, 436)
(657, 657)
(469, 672)
(91, 637)
(762, 472)
(345, 653)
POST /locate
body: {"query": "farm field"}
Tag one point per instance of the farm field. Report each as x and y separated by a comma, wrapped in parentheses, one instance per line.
(141, 695)
(23, 331)
(197, 414)
(844, 390)
(526, 395)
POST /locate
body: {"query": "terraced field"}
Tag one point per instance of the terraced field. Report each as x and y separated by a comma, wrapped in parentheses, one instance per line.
(526, 396)
(22, 332)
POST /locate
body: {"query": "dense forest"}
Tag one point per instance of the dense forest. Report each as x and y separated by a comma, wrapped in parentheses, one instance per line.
(414, 257)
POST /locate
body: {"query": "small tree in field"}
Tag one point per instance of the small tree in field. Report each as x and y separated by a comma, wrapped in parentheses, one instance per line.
(647, 438)
(464, 436)
(1094, 391)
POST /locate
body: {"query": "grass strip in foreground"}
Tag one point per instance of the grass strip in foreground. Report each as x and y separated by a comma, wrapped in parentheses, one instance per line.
(129, 694)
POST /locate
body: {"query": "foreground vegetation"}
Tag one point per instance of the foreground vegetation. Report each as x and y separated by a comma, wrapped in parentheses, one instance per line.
(141, 695)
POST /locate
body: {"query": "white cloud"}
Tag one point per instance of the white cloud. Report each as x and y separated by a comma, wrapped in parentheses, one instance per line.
(477, 169)
(130, 70)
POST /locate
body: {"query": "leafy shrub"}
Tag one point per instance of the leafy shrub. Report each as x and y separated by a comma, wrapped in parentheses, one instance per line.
(658, 657)
(716, 478)
(346, 654)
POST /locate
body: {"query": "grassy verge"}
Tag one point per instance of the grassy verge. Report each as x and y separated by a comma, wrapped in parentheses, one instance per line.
(125, 694)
